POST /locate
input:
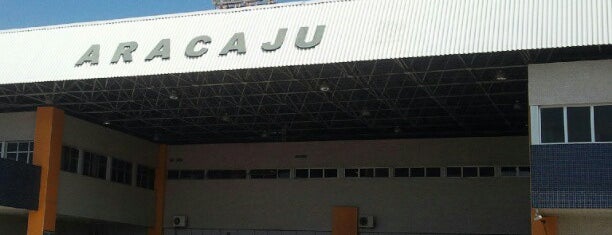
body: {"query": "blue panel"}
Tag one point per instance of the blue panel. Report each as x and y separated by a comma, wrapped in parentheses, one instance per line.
(19, 184)
(571, 176)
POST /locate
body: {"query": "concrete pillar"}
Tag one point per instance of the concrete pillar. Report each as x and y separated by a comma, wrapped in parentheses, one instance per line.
(160, 190)
(47, 154)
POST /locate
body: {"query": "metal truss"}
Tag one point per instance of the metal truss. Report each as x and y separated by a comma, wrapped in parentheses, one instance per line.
(445, 96)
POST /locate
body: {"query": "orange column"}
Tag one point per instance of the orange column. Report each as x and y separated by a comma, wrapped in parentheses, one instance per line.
(546, 226)
(47, 155)
(344, 221)
(160, 190)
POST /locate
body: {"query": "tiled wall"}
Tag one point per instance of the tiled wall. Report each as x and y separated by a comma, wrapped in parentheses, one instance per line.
(571, 176)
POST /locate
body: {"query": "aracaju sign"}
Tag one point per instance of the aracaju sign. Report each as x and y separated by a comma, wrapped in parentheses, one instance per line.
(197, 47)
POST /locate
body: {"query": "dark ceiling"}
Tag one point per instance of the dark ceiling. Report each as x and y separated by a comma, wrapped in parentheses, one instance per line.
(445, 96)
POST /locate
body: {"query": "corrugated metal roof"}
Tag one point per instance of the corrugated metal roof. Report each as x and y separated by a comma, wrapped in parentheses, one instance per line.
(355, 30)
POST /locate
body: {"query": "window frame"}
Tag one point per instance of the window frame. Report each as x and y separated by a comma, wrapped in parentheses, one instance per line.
(486, 166)
(453, 177)
(593, 136)
(331, 177)
(441, 173)
(395, 175)
(470, 177)
(78, 152)
(29, 152)
(143, 179)
(121, 169)
(388, 169)
(565, 123)
(96, 155)
(501, 171)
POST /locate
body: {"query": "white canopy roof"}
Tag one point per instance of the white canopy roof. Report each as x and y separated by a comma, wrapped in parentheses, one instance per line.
(356, 30)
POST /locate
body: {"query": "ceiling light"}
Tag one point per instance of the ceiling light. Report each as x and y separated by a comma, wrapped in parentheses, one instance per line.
(324, 87)
(501, 76)
(106, 123)
(173, 95)
(225, 118)
(365, 113)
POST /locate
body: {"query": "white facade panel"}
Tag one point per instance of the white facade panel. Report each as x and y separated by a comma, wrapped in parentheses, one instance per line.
(356, 30)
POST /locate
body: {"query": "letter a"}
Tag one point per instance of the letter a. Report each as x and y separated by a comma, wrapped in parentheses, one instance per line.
(236, 43)
(92, 55)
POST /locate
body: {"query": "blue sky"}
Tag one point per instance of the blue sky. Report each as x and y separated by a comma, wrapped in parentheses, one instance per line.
(31, 13)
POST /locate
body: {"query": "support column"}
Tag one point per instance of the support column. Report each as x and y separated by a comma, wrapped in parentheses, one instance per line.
(47, 154)
(160, 190)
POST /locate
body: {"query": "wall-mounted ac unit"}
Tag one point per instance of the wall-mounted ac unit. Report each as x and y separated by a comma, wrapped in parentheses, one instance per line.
(367, 222)
(179, 221)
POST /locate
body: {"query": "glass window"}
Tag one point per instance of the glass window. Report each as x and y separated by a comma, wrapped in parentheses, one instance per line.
(21, 151)
(70, 159)
(316, 173)
(351, 173)
(433, 172)
(603, 123)
(470, 172)
(487, 171)
(453, 172)
(331, 173)
(121, 171)
(192, 175)
(579, 124)
(301, 173)
(366, 172)
(226, 174)
(552, 125)
(417, 172)
(401, 172)
(284, 174)
(145, 177)
(381, 172)
(94, 165)
(508, 171)
(263, 174)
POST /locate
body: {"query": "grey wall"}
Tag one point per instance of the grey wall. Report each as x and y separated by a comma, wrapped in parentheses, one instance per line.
(99, 139)
(98, 199)
(443, 205)
(92, 198)
(17, 126)
(582, 82)
(11, 224)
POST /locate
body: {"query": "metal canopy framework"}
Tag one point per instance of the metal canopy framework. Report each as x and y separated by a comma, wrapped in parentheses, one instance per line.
(443, 96)
(351, 30)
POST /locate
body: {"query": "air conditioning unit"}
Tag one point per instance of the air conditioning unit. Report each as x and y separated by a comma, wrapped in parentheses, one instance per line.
(179, 221)
(367, 222)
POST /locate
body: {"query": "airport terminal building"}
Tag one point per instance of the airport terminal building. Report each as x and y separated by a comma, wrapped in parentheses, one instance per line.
(343, 117)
